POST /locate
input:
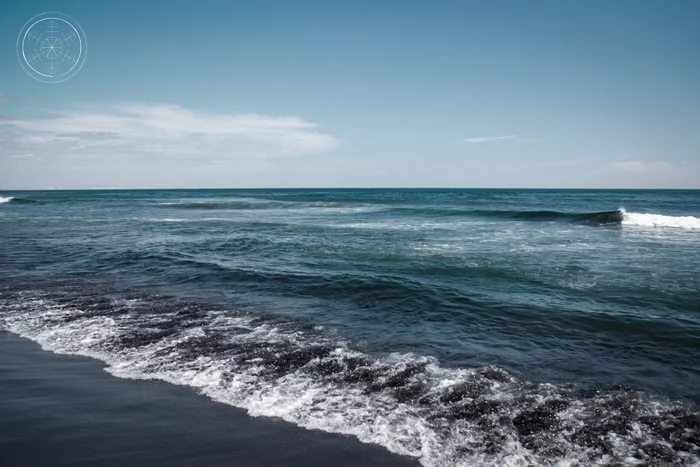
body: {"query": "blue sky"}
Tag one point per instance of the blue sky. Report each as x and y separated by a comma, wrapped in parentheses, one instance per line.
(360, 94)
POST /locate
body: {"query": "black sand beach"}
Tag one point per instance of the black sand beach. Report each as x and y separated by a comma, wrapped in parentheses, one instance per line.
(58, 410)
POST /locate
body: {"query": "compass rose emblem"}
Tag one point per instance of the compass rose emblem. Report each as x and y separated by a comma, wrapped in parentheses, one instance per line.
(51, 47)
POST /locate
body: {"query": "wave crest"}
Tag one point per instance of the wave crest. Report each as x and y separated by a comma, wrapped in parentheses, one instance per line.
(639, 219)
(592, 218)
(15, 200)
(619, 217)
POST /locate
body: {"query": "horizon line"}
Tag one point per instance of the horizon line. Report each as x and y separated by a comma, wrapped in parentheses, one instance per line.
(3, 190)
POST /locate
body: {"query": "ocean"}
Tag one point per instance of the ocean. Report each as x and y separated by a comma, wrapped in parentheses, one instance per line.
(466, 327)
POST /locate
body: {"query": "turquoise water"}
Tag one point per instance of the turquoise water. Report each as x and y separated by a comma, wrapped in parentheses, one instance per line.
(471, 327)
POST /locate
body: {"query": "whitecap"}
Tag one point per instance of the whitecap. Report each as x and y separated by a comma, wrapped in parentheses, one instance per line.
(638, 219)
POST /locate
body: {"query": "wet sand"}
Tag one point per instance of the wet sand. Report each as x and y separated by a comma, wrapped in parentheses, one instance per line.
(59, 410)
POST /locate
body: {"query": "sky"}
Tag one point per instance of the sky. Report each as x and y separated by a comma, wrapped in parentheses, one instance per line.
(261, 93)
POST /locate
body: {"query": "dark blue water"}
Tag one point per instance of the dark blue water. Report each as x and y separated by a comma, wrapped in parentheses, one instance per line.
(472, 327)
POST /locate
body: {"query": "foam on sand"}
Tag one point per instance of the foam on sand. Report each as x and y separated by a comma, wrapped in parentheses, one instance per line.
(408, 403)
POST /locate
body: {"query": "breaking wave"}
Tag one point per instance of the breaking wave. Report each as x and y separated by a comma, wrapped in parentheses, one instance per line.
(15, 200)
(657, 220)
(617, 217)
(408, 403)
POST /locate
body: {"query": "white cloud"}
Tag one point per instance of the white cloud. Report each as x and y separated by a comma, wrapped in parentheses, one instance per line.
(641, 166)
(148, 131)
(2, 98)
(488, 139)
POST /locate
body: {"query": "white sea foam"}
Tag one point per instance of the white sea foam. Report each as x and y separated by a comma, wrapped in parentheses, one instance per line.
(460, 417)
(6, 199)
(639, 219)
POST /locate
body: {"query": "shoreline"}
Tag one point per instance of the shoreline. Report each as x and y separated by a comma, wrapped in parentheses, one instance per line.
(65, 410)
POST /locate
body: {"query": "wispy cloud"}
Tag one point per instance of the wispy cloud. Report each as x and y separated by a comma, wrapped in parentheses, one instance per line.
(148, 131)
(641, 166)
(2, 98)
(488, 139)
